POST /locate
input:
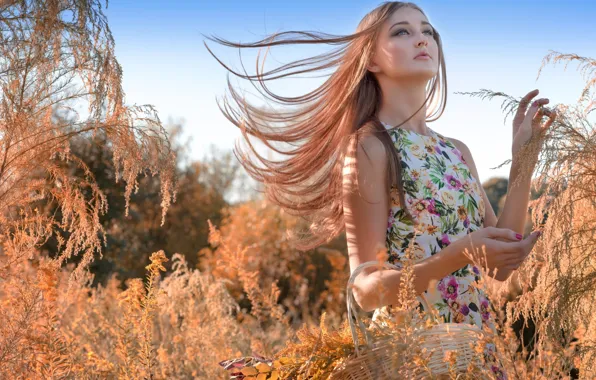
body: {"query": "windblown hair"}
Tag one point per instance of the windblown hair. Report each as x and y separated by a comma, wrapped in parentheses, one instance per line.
(328, 121)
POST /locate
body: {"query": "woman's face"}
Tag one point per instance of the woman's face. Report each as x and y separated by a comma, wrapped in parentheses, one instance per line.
(401, 38)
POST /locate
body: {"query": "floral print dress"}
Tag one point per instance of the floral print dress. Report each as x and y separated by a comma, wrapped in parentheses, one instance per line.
(445, 200)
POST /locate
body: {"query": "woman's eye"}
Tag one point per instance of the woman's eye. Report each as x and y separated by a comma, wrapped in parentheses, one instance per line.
(403, 30)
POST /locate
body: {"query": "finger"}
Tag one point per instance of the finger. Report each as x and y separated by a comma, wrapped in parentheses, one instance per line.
(542, 109)
(504, 233)
(533, 110)
(533, 237)
(537, 126)
(523, 105)
(541, 101)
(530, 241)
(516, 258)
(512, 267)
(538, 117)
(509, 247)
(551, 119)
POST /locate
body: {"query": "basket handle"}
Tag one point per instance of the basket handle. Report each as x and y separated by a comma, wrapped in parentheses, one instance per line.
(351, 302)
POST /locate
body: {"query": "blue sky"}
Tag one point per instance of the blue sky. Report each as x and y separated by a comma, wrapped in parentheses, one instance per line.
(497, 45)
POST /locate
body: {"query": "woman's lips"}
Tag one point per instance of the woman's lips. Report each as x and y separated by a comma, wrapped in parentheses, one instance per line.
(423, 57)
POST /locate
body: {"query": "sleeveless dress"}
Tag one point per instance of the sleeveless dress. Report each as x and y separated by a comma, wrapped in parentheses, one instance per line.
(445, 199)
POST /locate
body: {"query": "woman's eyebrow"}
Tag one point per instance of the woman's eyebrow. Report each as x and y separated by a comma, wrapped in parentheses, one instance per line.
(407, 23)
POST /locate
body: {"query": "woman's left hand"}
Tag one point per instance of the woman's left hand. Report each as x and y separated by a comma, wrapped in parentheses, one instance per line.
(529, 125)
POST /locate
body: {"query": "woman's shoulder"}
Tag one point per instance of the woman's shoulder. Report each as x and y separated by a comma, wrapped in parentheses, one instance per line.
(370, 156)
(371, 146)
(455, 143)
(463, 148)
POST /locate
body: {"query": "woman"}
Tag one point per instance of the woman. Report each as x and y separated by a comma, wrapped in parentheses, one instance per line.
(369, 163)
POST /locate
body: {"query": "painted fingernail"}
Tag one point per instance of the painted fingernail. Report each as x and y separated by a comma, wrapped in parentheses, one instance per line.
(538, 233)
(518, 236)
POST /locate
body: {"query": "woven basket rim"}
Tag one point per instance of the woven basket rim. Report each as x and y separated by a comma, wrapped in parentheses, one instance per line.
(442, 336)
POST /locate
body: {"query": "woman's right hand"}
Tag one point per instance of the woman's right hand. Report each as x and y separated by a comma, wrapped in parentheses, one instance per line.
(497, 249)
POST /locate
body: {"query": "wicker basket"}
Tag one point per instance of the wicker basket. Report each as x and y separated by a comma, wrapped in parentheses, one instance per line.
(374, 361)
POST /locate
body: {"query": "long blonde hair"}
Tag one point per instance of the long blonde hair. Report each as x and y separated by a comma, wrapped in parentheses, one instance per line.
(328, 123)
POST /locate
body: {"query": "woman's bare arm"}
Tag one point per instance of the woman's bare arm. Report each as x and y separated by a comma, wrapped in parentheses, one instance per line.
(366, 215)
(515, 209)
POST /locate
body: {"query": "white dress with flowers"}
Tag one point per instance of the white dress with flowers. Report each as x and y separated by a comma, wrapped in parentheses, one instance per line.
(445, 199)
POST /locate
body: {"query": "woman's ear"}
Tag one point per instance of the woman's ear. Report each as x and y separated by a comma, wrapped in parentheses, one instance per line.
(373, 67)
